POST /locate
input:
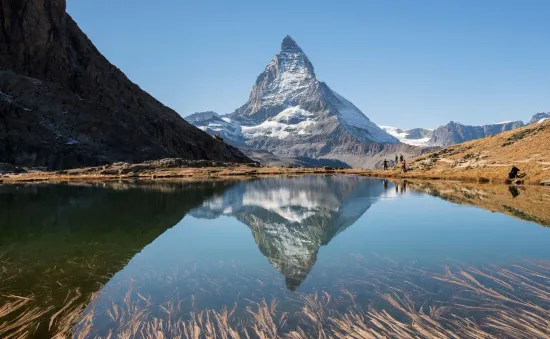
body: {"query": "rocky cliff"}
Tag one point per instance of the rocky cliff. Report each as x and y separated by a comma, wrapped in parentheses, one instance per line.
(62, 104)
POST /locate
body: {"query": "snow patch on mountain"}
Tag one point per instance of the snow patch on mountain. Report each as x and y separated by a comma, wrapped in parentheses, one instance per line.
(213, 123)
(403, 136)
(292, 120)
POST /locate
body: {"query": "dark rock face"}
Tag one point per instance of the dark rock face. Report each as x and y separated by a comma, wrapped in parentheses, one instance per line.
(62, 104)
(455, 133)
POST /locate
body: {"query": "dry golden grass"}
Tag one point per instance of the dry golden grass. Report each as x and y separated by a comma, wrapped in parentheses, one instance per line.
(511, 301)
(170, 174)
(19, 318)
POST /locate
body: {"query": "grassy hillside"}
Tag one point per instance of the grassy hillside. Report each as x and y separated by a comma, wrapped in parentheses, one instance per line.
(491, 158)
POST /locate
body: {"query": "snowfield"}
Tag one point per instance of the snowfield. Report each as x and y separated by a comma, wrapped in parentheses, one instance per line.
(292, 120)
(403, 136)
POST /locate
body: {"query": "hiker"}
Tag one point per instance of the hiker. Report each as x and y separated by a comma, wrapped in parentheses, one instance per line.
(404, 166)
(401, 158)
(513, 172)
(385, 164)
(396, 160)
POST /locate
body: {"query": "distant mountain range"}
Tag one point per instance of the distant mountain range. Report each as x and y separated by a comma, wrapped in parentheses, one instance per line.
(64, 105)
(455, 132)
(290, 113)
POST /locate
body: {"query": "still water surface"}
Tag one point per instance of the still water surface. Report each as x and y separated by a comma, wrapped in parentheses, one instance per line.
(177, 249)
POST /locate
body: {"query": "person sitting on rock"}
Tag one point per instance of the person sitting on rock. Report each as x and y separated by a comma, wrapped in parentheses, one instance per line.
(513, 172)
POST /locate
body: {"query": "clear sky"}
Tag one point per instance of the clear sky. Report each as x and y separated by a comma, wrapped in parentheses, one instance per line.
(408, 63)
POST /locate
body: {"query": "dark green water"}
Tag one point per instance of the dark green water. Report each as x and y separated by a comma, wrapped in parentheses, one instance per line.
(207, 245)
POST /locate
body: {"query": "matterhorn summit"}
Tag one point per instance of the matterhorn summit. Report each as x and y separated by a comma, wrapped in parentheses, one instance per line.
(291, 113)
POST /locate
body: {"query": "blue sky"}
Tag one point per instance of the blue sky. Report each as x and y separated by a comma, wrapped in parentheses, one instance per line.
(409, 63)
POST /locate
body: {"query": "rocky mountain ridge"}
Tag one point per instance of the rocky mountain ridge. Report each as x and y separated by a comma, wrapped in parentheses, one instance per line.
(455, 132)
(64, 105)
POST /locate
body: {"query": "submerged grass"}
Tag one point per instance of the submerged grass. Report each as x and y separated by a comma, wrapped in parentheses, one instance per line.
(467, 302)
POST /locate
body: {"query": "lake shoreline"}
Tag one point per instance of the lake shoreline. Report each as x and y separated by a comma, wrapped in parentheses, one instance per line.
(117, 172)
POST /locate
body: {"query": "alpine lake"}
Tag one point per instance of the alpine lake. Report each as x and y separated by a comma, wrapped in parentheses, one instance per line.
(290, 257)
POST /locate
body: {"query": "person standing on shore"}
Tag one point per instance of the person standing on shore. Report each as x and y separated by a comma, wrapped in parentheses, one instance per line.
(385, 164)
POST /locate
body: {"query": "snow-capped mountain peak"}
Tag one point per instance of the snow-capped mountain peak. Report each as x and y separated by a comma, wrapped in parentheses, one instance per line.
(291, 113)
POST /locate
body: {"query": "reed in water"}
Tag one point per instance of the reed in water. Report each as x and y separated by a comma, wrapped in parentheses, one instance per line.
(484, 302)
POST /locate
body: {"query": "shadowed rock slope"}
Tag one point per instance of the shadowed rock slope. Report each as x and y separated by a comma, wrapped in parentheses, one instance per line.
(64, 105)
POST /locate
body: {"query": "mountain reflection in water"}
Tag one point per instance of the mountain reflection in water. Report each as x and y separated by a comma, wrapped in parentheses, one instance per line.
(291, 218)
